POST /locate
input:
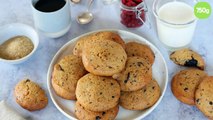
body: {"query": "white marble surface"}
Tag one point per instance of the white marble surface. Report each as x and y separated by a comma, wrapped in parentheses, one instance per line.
(105, 17)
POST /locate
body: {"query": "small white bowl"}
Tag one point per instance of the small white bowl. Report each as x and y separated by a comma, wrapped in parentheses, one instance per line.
(18, 29)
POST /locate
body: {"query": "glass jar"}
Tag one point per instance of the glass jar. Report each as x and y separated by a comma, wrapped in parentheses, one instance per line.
(133, 17)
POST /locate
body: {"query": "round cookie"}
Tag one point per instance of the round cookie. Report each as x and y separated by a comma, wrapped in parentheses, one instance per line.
(184, 84)
(188, 58)
(104, 35)
(97, 93)
(137, 73)
(141, 50)
(104, 58)
(83, 114)
(204, 97)
(30, 95)
(77, 50)
(107, 35)
(141, 99)
(65, 76)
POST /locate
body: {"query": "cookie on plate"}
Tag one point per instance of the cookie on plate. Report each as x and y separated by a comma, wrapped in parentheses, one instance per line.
(97, 93)
(104, 58)
(188, 58)
(184, 84)
(77, 50)
(204, 96)
(104, 35)
(137, 73)
(141, 99)
(30, 95)
(108, 35)
(83, 114)
(65, 76)
(141, 50)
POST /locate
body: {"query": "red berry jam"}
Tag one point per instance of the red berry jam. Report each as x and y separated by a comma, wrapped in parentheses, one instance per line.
(130, 13)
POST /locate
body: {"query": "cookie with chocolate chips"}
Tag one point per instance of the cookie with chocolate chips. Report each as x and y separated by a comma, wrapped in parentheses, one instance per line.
(65, 75)
(141, 50)
(84, 114)
(30, 95)
(104, 35)
(141, 99)
(184, 84)
(104, 58)
(188, 58)
(97, 93)
(137, 73)
(204, 97)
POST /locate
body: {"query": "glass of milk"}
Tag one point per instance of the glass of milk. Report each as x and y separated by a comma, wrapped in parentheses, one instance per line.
(175, 21)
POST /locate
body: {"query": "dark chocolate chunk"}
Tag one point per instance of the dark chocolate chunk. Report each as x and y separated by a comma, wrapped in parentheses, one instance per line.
(103, 113)
(27, 80)
(191, 63)
(185, 89)
(128, 76)
(197, 100)
(139, 63)
(61, 68)
(97, 117)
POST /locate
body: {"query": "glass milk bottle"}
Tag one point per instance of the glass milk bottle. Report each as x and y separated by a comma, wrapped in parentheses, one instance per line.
(175, 21)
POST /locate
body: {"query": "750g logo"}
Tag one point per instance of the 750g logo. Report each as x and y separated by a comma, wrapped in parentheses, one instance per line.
(202, 10)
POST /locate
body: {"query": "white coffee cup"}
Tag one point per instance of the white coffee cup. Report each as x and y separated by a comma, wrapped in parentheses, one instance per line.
(53, 24)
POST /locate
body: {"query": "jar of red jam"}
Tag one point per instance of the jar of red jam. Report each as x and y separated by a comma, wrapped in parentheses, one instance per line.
(133, 13)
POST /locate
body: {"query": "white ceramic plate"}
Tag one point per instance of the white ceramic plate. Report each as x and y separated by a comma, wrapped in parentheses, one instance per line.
(160, 73)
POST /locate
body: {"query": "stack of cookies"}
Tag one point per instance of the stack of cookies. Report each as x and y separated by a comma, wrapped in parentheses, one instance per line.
(193, 86)
(104, 72)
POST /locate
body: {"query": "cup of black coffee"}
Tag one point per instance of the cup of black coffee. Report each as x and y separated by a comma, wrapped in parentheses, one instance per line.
(52, 17)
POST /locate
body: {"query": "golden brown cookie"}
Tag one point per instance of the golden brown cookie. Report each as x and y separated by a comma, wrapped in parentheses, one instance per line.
(97, 93)
(83, 114)
(65, 76)
(184, 84)
(141, 99)
(137, 73)
(204, 96)
(80, 44)
(104, 35)
(188, 58)
(141, 50)
(108, 35)
(30, 95)
(104, 58)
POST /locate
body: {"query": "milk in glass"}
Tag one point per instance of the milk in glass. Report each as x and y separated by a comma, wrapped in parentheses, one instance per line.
(176, 24)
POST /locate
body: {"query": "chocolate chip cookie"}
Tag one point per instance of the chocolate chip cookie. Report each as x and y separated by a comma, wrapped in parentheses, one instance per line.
(83, 114)
(65, 76)
(137, 74)
(141, 50)
(204, 97)
(141, 99)
(188, 58)
(104, 35)
(184, 84)
(104, 58)
(97, 93)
